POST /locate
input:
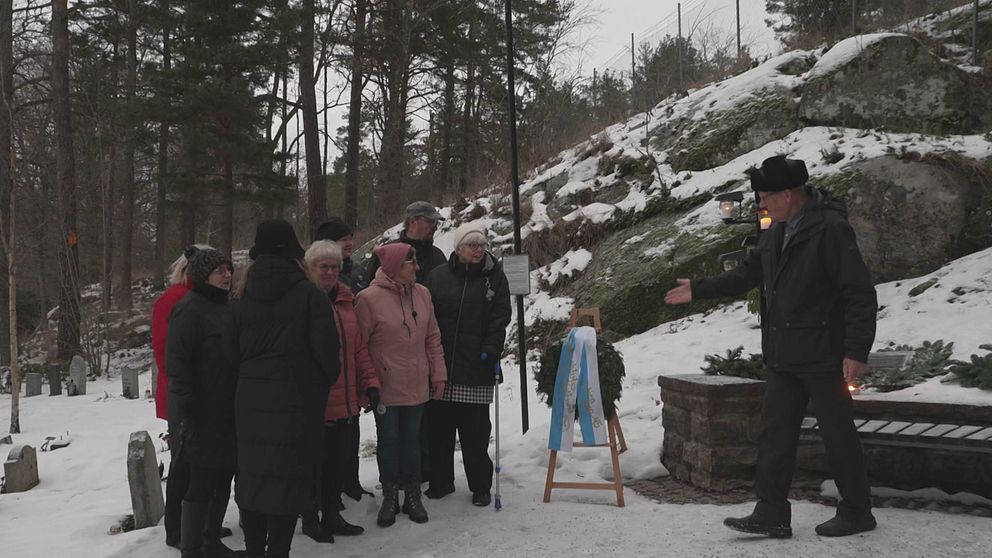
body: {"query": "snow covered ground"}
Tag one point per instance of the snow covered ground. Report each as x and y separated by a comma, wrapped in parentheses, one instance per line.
(83, 490)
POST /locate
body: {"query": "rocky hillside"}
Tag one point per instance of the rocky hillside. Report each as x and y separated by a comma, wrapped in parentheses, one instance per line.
(897, 124)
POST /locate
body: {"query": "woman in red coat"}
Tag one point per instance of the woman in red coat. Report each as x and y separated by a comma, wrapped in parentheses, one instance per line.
(355, 387)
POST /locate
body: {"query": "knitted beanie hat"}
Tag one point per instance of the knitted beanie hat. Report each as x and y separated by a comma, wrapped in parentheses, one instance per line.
(332, 229)
(202, 262)
(468, 232)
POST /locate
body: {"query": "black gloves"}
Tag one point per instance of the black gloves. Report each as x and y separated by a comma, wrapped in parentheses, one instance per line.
(373, 393)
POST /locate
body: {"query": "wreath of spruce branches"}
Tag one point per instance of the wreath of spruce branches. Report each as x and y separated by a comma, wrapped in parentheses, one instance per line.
(611, 374)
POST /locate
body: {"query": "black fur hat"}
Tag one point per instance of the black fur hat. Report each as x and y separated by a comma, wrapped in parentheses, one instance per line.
(276, 237)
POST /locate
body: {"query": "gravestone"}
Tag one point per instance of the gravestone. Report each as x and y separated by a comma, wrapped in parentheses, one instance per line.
(54, 379)
(144, 480)
(21, 469)
(32, 383)
(6, 438)
(77, 374)
(129, 383)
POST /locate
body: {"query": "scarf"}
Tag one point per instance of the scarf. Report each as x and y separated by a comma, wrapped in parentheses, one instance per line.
(577, 387)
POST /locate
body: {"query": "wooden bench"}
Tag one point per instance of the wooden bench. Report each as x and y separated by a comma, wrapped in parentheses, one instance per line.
(968, 438)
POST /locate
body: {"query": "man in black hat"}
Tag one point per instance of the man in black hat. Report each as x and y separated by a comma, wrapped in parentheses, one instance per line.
(419, 225)
(337, 230)
(817, 331)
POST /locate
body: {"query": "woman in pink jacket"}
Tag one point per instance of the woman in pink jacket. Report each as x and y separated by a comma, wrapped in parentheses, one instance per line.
(357, 384)
(396, 317)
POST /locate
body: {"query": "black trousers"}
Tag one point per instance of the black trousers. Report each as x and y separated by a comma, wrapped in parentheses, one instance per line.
(209, 485)
(786, 397)
(341, 439)
(175, 488)
(472, 424)
(267, 535)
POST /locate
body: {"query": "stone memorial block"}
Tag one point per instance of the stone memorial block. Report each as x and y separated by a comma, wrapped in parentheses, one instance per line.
(77, 374)
(6, 438)
(144, 480)
(21, 469)
(129, 383)
(54, 379)
(32, 383)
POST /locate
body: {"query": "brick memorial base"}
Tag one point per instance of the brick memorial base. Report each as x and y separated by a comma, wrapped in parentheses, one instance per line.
(712, 424)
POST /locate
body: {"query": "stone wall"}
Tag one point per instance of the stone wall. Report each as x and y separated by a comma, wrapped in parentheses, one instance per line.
(711, 426)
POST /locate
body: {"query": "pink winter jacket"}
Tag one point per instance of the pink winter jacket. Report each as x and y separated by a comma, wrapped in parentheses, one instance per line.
(398, 324)
(347, 395)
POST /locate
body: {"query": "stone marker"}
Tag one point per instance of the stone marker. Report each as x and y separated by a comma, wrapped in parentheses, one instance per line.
(144, 480)
(32, 383)
(129, 383)
(54, 379)
(77, 373)
(5, 438)
(21, 469)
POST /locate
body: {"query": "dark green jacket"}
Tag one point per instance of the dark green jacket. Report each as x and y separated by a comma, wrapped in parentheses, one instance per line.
(820, 301)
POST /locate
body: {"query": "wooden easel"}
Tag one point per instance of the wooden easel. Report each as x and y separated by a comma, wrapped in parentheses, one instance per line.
(617, 443)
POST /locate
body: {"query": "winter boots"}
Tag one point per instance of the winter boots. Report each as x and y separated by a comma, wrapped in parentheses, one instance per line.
(333, 523)
(844, 525)
(313, 529)
(200, 533)
(413, 505)
(758, 525)
(390, 504)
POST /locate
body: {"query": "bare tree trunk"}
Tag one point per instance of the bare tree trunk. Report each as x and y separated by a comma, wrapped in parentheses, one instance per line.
(69, 304)
(316, 194)
(444, 176)
(6, 158)
(355, 117)
(163, 161)
(9, 246)
(108, 203)
(469, 132)
(122, 296)
(225, 239)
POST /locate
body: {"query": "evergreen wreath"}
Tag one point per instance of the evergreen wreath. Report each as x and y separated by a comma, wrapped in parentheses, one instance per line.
(611, 374)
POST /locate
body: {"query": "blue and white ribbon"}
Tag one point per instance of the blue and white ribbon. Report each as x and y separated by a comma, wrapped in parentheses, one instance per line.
(577, 387)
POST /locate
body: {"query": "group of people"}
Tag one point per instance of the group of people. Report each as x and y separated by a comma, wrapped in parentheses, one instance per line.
(267, 388)
(263, 382)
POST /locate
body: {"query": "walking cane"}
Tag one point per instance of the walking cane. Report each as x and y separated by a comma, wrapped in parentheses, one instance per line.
(499, 379)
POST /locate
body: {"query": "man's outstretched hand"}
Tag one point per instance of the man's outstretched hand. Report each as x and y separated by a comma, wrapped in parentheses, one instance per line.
(681, 294)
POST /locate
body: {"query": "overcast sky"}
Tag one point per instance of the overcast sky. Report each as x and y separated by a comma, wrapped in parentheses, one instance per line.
(651, 20)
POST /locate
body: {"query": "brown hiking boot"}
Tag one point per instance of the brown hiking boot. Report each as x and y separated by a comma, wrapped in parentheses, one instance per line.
(390, 505)
(413, 505)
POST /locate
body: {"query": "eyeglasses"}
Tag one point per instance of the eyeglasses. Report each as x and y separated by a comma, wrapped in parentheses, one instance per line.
(411, 261)
(476, 245)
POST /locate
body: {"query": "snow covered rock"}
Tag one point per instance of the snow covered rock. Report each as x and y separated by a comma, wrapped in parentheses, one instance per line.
(914, 214)
(893, 82)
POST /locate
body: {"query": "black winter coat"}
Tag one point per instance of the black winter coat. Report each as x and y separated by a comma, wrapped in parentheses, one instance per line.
(820, 301)
(201, 382)
(428, 257)
(283, 339)
(354, 276)
(472, 306)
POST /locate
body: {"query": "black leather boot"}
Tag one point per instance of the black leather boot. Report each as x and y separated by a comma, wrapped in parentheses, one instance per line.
(313, 529)
(758, 525)
(333, 523)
